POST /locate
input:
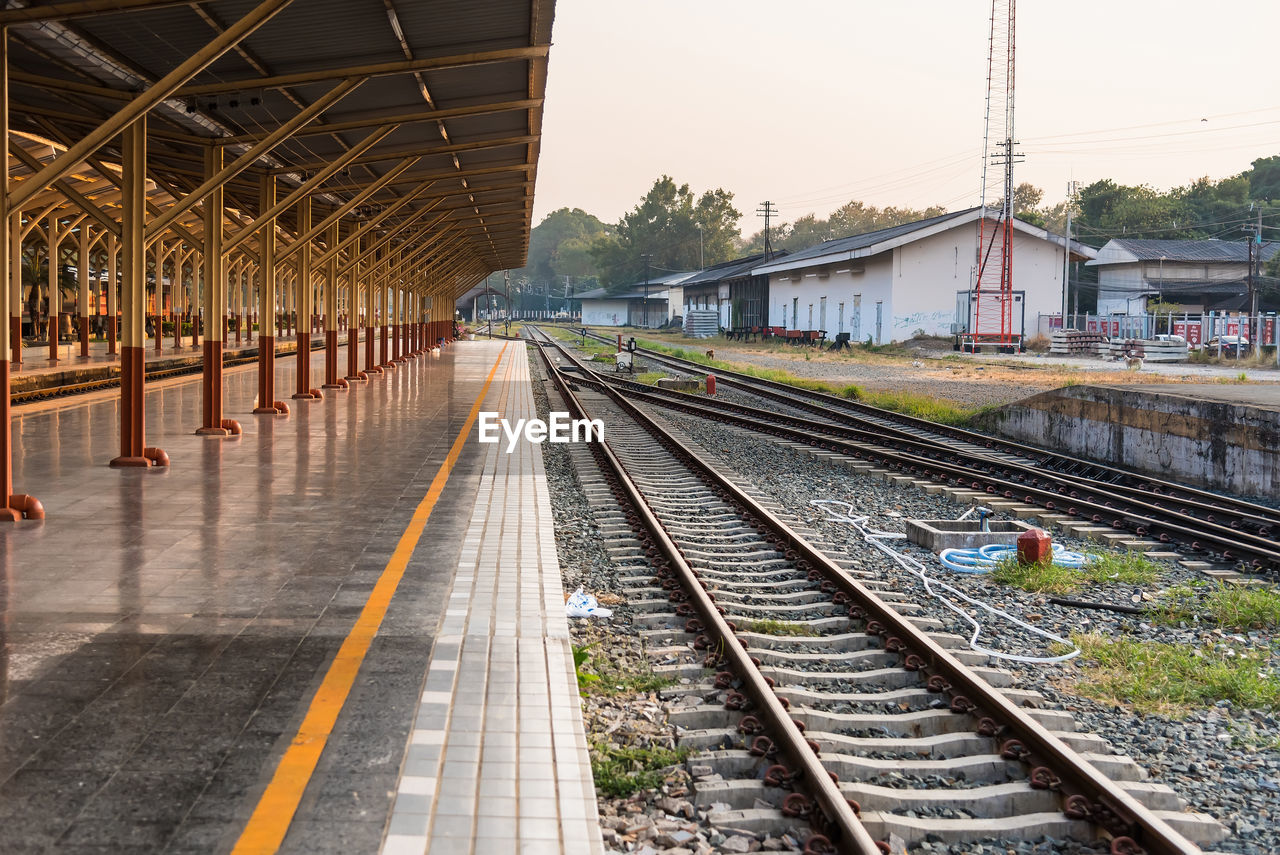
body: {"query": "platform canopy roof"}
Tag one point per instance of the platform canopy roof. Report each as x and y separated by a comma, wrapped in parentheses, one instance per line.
(422, 117)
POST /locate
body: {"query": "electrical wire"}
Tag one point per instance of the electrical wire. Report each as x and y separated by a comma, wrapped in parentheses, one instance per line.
(906, 562)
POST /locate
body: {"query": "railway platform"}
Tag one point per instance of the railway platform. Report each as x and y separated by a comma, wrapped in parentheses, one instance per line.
(341, 631)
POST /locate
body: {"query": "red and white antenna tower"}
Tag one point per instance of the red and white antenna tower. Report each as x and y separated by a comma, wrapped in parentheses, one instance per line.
(993, 288)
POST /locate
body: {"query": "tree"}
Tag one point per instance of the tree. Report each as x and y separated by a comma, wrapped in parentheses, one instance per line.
(1264, 179)
(665, 227)
(556, 247)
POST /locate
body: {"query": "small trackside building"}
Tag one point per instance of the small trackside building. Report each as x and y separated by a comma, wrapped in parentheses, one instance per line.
(1199, 275)
(914, 279)
(654, 303)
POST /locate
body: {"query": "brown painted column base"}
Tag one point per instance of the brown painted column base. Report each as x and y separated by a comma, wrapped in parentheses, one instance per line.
(84, 336)
(19, 505)
(111, 336)
(132, 451)
(214, 423)
(53, 340)
(22, 507)
(331, 378)
(15, 337)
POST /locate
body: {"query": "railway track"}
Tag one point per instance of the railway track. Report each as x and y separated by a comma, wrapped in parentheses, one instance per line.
(870, 723)
(1201, 503)
(1224, 528)
(194, 367)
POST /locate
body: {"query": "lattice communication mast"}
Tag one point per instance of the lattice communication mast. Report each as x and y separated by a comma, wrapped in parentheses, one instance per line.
(993, 288)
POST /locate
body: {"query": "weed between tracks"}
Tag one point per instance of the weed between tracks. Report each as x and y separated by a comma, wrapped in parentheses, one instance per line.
(1229, 606)
(1127, 568)
(604, 679)
(1171, 679)
(619, 770)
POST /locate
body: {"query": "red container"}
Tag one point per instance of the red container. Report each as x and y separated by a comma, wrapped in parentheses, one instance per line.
(1035, 547)
(711, 384)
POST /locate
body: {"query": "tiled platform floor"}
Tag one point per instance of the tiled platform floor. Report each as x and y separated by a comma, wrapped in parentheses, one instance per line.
(497, 759)
(162, 632)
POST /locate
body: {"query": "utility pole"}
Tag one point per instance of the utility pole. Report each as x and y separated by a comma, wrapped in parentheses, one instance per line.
(1066, 254)
(645, 303)
(767, 210)
(1254, 230)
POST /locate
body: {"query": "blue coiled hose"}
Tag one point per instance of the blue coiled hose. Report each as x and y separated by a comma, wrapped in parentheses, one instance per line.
(982, 559)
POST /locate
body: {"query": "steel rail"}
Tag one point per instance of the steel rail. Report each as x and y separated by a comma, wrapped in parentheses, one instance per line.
(1102, 506)
(1133, 514)
(1087, 793)
(821, 402)
(840, 824)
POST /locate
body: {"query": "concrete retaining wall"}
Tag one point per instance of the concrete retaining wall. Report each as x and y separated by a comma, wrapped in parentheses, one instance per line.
(1223, 445)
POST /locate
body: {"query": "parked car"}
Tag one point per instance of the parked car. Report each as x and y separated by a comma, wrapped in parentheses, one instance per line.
(1230, 344)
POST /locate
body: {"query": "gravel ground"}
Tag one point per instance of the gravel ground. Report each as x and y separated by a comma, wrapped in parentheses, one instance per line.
(1225, 761)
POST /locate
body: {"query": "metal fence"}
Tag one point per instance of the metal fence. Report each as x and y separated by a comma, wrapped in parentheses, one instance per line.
(1229, 331)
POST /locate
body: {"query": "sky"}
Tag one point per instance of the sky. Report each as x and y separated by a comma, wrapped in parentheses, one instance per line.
(812, 103)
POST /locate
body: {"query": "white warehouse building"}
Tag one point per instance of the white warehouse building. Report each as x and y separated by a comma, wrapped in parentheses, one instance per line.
(895, 283)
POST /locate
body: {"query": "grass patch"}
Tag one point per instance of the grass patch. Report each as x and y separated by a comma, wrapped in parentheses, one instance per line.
(1173, 678)
(604, 679)
(774, 627)
(1121, 568)
(1037, 578)
(620, 771)
(649, 378)
(907, 403)
(924, 407)
(1238, 607)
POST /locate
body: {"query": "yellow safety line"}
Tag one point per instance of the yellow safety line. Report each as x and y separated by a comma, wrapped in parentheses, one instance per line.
(271, 818)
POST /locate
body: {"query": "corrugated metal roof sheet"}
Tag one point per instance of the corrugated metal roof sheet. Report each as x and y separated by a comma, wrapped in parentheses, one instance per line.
(728, 269)
(1190, 250)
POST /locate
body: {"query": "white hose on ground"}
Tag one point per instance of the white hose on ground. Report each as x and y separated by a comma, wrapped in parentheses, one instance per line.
(906, 562)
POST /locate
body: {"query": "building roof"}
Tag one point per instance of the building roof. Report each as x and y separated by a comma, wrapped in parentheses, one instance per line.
(883, 240)
(1129, 251)
(717, 273)
(656, 292)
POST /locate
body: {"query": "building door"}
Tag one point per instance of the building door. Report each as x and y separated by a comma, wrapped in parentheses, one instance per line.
(822, 313)
(841, 312)
(810, 317)
(855, 320)
(879, 320)
(795, 313)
